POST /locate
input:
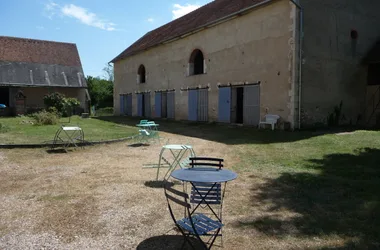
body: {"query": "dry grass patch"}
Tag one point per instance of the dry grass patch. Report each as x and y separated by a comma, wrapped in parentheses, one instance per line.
(288, 195)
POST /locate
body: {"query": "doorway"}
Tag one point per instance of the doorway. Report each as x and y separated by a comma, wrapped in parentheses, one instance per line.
(164, 105)
(142, 105)
(239, 105)
(4, 96)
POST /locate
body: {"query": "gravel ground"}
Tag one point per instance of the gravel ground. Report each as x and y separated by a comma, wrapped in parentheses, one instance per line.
(100, 198)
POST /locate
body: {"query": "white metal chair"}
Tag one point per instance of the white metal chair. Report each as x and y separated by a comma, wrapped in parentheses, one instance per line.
(269, 119)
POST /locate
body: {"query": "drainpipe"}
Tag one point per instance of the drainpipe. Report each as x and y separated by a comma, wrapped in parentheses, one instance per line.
(299, 7)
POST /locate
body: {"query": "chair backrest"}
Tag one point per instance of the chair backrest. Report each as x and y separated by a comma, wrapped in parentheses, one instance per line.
(271, 118)
(212, 192)
(143, 121)
(151, 123)
(206, 162)
(176, 196)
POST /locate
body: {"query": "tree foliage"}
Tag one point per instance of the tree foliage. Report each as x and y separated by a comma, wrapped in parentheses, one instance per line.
(108, 72)
(101, 91)
(58, 103)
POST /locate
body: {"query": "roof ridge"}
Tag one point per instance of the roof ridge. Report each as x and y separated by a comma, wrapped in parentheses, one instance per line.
(208, 14)
(35, 40)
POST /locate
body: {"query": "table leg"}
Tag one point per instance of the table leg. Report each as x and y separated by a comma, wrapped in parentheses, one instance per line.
(159, 162)
(175, 161)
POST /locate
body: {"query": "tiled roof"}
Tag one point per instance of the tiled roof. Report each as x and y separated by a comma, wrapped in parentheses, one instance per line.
(14, 49)
(206, 15)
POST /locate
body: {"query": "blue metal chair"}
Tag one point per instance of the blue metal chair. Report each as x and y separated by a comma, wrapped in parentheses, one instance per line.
(192, 224)
(207, 194)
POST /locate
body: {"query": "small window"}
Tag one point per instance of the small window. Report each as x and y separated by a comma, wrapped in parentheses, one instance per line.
(142, 74)
(374, 74)
(196, 63)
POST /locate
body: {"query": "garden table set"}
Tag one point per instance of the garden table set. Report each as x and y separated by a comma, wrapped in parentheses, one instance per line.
(148, 130)
(196, 205)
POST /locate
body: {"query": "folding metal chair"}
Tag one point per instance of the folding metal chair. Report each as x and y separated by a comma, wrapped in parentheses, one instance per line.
(207, 194)
(192, 224)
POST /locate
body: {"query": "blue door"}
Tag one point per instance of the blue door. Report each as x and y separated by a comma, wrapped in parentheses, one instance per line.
(157, 104)
(129, 105)
(251, 110)
(170, 104)
(121, 104)
(224, 105)
(140, 104)
(193, 105)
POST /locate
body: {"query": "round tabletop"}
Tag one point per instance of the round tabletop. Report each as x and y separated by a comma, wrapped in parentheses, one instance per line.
(209, 175)
(148, 125)
(177, 146)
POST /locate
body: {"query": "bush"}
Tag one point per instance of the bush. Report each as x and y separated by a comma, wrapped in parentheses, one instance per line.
(45, 118)
(58, 103)
(104, 111)
(54, 100)
(69, 105)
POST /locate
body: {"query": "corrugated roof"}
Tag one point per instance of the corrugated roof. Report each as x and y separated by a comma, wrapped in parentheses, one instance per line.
(30, 62)
(14, 49)
(203, 16)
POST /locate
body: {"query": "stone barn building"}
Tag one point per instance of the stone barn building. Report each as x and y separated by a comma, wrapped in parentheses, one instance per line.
(30, 69)
(235, 61)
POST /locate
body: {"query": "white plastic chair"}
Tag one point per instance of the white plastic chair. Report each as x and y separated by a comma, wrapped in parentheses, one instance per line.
(269, 119)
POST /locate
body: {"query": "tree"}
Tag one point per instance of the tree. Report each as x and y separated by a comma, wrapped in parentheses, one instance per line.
(101, 91)
(108, 72)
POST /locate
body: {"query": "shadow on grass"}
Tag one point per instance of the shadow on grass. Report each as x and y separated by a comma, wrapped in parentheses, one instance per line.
(342, 200)
(228, 134)
(57, 151)
(158, 184)
(168, 242)
(136, 145)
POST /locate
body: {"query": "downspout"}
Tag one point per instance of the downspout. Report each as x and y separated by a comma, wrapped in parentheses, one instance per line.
(299, 7)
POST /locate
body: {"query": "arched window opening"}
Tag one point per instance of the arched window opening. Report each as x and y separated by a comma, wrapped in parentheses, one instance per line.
(196, 63)
(141, 73)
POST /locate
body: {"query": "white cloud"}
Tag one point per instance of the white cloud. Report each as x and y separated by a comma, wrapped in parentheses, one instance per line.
(181, 10)
(151, 20)
(86, 17)
(79, 13)
(50, 9)
(40, 27)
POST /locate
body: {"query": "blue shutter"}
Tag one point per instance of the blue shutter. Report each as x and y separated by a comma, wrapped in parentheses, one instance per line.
(121, 104)
(157, 103)
(139, 104)
(170, 105)
(251, 110)
(129, 105)
(193, 105)
(224, 105)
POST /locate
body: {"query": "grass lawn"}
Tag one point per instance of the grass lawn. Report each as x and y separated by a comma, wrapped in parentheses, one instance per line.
(295, 190)
(20, 130)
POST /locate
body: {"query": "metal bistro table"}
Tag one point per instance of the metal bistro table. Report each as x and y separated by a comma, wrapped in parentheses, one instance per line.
(68, 135)
(178, 152)
(204, 175)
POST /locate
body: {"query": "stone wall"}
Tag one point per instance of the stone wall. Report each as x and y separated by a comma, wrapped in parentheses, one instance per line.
(332, 69)
(258, 46)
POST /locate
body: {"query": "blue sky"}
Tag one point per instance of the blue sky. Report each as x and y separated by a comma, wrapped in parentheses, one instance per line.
(101, 29)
